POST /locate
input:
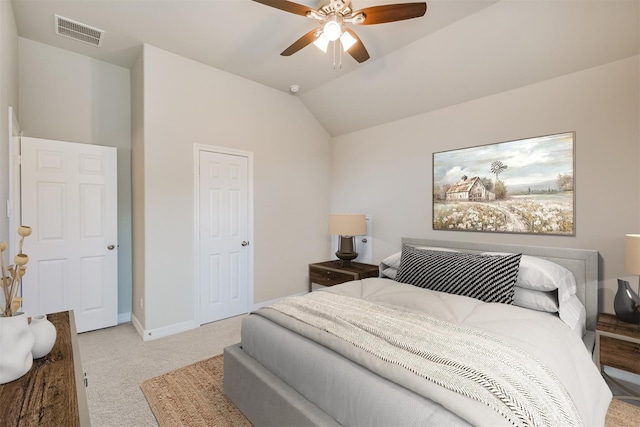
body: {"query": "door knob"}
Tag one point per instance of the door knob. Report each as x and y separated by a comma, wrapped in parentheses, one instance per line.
(244, 243)
(111, 247)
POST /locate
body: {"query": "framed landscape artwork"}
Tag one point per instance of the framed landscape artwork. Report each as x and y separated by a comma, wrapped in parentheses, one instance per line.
(523, 186)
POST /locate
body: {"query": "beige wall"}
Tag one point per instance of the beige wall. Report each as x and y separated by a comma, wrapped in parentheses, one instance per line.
(70, 97)
(300, 175)
(8, 98)
(187, 103)
(393, 182)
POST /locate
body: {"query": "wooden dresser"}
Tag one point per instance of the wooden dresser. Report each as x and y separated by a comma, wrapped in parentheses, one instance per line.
(52, 393)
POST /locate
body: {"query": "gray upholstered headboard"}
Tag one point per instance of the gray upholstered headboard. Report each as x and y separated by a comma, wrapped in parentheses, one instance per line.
(581, 262)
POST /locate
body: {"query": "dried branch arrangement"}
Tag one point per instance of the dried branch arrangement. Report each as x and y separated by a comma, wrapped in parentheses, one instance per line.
(12, 275)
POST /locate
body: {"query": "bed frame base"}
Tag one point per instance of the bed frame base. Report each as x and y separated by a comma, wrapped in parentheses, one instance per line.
(264, 398)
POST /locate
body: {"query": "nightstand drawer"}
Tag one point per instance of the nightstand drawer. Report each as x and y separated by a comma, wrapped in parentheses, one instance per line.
(335, 272)
(328, 277)
(620, 354)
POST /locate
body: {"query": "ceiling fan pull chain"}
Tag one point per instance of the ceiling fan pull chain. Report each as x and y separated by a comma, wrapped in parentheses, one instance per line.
(334, 55)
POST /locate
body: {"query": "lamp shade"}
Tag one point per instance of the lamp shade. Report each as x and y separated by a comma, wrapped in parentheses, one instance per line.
(348, 225)
(632, 253)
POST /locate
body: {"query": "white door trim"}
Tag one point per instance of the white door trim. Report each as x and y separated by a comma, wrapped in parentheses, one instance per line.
(197, 148)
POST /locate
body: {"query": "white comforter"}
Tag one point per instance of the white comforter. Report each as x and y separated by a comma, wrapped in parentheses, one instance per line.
(542, 335)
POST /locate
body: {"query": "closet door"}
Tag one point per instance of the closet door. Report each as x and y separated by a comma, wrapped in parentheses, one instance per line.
(223, 239)
(69, 198)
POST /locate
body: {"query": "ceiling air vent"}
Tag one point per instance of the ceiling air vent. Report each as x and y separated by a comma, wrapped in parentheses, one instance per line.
(78, 31)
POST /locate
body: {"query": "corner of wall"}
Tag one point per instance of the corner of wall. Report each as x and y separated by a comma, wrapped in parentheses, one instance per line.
(138, 194)
(153, 334)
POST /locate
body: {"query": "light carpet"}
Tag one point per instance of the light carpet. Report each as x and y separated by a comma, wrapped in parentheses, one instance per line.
(193, 396)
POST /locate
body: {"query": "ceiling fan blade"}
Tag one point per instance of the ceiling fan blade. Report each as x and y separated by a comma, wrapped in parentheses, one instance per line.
(287, 6)
(303, 41)
(357, 51)
(392, 12)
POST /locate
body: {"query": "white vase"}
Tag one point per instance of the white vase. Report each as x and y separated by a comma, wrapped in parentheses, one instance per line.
(45, 336)
(16, 341)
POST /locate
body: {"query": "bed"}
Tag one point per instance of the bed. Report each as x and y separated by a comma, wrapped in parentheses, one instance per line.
(357, 353)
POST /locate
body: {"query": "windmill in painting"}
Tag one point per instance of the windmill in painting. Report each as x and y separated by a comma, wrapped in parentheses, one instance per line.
(524, 186)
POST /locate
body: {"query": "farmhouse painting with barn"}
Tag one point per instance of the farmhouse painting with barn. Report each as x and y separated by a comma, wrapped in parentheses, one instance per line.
(523, 186)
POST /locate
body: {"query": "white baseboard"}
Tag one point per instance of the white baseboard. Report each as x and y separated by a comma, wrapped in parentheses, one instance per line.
(152, 334)
(165, 331)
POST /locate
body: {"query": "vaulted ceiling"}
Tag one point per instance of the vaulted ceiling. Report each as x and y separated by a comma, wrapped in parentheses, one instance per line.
(459, 51)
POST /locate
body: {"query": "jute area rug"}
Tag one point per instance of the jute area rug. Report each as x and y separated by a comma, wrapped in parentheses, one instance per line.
(193, 396)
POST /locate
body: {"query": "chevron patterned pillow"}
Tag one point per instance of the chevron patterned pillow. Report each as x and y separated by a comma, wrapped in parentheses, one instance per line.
(489, 278)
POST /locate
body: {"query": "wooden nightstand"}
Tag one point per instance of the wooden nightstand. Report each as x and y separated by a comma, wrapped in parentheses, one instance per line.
(617, 344)
(331, 273)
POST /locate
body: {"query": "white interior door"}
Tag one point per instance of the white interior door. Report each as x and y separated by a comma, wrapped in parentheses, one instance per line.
(224, 251)
(69, 198)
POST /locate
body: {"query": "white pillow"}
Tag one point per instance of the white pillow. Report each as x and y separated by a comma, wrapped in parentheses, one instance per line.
(546, 301)
(573, 313)
(393, 260)
(539, 274)
(390, 273)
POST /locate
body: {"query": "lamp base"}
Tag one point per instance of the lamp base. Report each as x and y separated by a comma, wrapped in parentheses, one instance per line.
(626, 303)
(346, 249)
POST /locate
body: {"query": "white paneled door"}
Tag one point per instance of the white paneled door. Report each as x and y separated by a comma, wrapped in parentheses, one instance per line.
(223, 247)
(69, 198)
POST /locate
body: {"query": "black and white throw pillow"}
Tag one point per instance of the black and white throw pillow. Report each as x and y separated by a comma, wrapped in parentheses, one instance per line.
(489, 278)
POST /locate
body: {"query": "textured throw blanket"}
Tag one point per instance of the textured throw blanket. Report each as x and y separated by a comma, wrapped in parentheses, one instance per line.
(460, 359)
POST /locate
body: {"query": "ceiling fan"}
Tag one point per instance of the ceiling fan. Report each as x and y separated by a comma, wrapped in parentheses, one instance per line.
(333, 17)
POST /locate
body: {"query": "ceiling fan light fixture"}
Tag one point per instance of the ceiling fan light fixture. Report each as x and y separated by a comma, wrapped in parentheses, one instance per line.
(333, 14)
(332, 29)
(347, 41)
(322, 42)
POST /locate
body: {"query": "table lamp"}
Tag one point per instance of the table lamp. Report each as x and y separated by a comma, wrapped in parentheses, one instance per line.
(627, 303)
(347, 226)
